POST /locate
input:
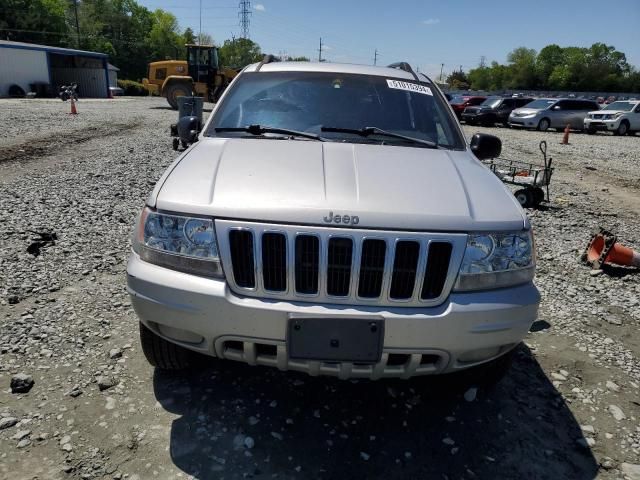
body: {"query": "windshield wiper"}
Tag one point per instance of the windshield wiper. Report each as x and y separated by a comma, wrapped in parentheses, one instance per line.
(262, 129)
(367, 131)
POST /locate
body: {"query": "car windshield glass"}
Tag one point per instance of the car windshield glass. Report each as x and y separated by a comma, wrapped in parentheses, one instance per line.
(491, 102)
(308, 101)
(458, 100)
(623, 106)
(540, 104)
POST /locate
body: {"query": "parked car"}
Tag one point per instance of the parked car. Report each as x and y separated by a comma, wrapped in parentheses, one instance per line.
(460, 103)
(545, 113)
(621, 118)
(493, 110)
(273, 241)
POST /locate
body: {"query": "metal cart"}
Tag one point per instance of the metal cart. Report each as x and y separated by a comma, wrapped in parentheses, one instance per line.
(533, 178)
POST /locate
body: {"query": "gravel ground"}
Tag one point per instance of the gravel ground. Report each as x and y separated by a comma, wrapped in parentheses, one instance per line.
(569, 408)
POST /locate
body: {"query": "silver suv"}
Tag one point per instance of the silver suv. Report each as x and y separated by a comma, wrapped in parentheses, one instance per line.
(332, 219)
(545, 113)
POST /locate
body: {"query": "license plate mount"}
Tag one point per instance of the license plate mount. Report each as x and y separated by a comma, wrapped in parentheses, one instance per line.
(357, 340)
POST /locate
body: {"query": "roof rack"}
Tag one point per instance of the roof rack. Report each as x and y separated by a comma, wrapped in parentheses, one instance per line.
(404, 66)
(266, 59)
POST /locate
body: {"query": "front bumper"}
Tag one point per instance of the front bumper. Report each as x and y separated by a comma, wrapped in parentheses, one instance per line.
(524, 122)
(601, 125)
(202, 314)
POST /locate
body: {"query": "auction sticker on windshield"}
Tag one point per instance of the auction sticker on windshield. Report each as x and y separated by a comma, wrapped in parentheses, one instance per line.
(409, 87)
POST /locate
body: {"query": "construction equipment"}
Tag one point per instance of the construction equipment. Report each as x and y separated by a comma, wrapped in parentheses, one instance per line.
(201, 74)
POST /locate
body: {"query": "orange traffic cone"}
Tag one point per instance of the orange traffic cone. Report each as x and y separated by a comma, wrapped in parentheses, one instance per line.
(73, 111)
(603, 248)
(565, 137)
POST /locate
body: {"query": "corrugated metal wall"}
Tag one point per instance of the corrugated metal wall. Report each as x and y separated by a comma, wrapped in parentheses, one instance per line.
(113, 78)
(22, 67)
(88, 72)
(92, 81)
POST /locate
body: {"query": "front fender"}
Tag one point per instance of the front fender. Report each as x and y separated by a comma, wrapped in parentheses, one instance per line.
(176, 79)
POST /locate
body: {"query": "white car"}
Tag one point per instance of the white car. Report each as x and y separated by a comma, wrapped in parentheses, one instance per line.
(621, 118)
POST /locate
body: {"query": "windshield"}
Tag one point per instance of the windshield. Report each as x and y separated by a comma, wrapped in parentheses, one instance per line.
(491, 102)
(308, 101)
(458, 100)
(622, 106)
(540, 104)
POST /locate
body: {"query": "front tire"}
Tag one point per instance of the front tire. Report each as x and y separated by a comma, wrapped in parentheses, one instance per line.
(622, 129)
(163, 354)
(544, 125)
(177, 90)
(590, 131)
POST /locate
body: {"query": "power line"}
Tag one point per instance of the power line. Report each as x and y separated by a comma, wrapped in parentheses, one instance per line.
(244, 14)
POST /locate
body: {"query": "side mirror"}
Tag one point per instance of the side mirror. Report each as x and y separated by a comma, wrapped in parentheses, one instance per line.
(557, 107)
(485, 146)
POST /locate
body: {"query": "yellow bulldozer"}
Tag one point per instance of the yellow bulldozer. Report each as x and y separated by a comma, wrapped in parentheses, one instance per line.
(201, 74)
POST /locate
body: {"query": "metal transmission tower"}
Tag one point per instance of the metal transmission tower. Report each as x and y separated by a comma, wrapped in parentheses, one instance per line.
(244, 14)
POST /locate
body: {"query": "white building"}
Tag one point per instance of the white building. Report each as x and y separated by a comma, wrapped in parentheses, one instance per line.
(30, 66)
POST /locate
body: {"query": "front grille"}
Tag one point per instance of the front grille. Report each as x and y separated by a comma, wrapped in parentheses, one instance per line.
(339, 266)
(307, 264)
(345, 266)
(371, 268)
(274, 261)
(241, 243)
(405, 267)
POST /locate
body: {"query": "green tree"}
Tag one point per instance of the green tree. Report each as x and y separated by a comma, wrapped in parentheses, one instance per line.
(548, 59)
(35, 21)
(188, 36)
(522, 62)
(239, 52)
(458, 80)
(164, 39)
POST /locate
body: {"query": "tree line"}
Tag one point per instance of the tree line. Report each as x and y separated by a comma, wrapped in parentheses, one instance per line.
(599, 68)
(131, 34)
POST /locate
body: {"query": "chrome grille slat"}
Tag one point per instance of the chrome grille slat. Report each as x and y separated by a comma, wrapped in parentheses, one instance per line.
(339, 265)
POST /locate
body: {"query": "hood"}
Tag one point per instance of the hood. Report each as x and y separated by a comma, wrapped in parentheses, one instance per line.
(525, 111)
(304, 182)
(607, 112)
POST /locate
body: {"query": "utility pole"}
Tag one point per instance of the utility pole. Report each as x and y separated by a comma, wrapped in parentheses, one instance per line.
(320, 51)
(483, 61)
(200, 31)
(75, 7)
(441, 69)
(375, 57)
(244, 14)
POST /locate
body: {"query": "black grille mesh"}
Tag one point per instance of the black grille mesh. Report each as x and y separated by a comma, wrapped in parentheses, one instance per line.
(371, 268)
(437, 268)
(339, 266)
(405, 266)
(241, 243)
(274, 262)
(307, 264)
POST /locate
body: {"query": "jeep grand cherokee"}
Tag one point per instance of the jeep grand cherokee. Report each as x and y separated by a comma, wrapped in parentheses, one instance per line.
(332, 219)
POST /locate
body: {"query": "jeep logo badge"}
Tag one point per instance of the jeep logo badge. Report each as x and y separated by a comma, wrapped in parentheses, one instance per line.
(343, 219)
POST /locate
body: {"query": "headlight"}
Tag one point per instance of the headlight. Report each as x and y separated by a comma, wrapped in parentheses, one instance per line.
(496, 260)
(617, 115)
(183, 243)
